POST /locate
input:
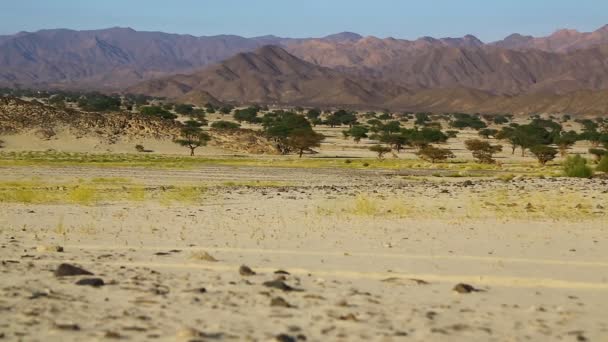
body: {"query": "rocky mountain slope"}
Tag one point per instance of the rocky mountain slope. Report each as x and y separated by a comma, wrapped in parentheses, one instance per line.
(519, 73)
(561, 41)
(271, 75)
(112, 59)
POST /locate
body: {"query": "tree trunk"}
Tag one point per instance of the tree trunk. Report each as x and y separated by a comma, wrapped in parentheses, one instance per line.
(191, 151)
(523, 152)
(301, 152)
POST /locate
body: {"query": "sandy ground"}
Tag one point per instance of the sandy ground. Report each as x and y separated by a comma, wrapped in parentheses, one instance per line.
(365, 255)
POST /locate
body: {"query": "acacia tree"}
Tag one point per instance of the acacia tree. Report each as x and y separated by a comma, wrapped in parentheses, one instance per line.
(380, 150)
(290, 131)
(192, 136)
(543, 153)
(482, 151)
(395, 141)
(565, 141)
(435, 154)
(357, 132)
(302, 139)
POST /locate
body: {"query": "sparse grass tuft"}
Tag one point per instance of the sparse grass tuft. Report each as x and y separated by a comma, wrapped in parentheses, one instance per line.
(186, 194)
(83, 195)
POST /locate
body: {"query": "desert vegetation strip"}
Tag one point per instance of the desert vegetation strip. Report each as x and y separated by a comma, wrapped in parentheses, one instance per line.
(63, 159)
(106, 190)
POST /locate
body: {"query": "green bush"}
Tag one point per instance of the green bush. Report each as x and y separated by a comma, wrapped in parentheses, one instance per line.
(603, 165)
(576, 166)
(225, 125)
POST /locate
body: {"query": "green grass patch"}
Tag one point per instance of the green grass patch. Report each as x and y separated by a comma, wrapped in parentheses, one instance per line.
(53, 158)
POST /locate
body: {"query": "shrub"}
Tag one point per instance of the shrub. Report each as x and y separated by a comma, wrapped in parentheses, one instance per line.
(225, 125)
(603, 165)
(488, 132)
(434, 154)
(140, 148)
(451, 133)
(157, 111)
(598, 153)
(184, 109)
(576, 166)
(249, 114)
(543, 153)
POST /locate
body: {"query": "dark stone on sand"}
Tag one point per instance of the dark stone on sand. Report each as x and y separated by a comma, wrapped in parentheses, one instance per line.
(464, 288)
(67, 326)
(246, 271)
(284, 338)
(112, 335)
(67, 270)
(279, 301)
(95, 282)
(279, 284)
(281, 272)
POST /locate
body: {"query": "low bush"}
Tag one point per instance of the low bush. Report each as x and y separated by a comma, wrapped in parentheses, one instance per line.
(225, 125)
(603, 165)
(576, 166)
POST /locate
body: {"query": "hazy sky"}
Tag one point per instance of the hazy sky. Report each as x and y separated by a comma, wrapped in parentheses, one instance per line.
(487, 19)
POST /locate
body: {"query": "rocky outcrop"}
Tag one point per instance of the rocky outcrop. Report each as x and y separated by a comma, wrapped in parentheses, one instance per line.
(18, 116)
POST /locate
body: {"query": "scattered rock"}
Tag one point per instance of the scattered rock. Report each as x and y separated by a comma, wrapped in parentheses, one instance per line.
(281, 272)
(284, 338)
(405, 281)
(68, 270)
(204, 256)
(279, 284)
(246, 271)
(187, 334)
(67, 326)
(197, 290)
(49, 249)
(467, 183)
(349, 317)
(95, 282)
(279, 301)
(112, 334)
(465, 288)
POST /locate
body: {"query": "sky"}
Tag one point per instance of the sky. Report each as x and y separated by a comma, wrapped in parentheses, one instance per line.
(489, 20)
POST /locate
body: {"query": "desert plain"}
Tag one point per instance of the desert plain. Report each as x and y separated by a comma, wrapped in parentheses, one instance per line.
(261, 248)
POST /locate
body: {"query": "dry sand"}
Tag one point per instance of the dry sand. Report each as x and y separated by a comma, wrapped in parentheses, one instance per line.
(366, 255)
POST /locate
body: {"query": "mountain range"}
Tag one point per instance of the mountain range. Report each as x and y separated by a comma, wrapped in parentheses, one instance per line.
(518, 74)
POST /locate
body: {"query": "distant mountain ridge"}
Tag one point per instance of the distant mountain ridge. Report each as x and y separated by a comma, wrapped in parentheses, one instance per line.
(339, 69)
(270, 75)
(113, 58)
